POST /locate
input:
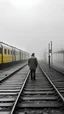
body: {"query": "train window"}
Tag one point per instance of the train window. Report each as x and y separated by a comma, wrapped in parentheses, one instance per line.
(11, 52)
(8, 52)
(14, 52)
(0, 50)
(5, 51)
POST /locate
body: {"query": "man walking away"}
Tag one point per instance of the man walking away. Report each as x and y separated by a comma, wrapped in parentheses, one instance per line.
(32, 63)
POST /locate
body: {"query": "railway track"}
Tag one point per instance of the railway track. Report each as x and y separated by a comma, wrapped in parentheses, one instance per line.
(10, 87)
(13, 67)
(56, 77)
(10, 71)
(38, 96)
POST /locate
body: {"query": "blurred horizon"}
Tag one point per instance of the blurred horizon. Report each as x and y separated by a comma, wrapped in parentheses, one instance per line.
(31, 24)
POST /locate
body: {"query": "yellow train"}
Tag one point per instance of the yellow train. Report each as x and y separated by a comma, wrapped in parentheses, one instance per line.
(10, 55)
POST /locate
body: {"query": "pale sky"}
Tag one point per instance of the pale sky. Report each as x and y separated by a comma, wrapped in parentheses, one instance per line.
(32, 24)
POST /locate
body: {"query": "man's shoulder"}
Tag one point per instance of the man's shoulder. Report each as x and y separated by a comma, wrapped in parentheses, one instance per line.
(33, 58)
(29, 59)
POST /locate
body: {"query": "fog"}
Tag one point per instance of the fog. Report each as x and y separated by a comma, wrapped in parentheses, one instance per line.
(32, 24)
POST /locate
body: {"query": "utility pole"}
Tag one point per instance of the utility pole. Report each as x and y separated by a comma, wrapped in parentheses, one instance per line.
(49, 54)
(51, 47)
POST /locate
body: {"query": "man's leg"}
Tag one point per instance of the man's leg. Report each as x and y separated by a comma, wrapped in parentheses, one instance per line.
(34, 74)
(31, 74)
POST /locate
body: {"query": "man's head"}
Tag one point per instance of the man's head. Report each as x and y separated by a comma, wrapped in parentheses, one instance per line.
(33, 55)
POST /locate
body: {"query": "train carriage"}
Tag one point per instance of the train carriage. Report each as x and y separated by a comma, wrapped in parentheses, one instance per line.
(21, 55)
(13, 55)
(5, 53)
(10, 55)
(1, 56)
(17, 54)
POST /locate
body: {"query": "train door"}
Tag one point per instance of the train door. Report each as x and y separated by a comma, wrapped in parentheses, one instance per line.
(20, 55)
(13, 55)
(1, 54)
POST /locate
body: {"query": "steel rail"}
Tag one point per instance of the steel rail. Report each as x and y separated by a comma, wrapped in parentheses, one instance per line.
(16, 101)
(60, 95)
(2, 80)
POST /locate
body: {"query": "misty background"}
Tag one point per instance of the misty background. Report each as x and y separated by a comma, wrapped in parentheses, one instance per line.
(31, 24)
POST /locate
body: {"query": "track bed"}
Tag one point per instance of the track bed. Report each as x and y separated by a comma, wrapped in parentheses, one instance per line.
(39, 97)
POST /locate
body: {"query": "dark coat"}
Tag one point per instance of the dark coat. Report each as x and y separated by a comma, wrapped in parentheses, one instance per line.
(32, 63)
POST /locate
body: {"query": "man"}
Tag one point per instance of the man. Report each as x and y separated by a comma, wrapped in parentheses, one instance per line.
(32, 63)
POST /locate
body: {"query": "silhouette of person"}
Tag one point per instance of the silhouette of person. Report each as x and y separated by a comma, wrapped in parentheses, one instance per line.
(32, 63)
